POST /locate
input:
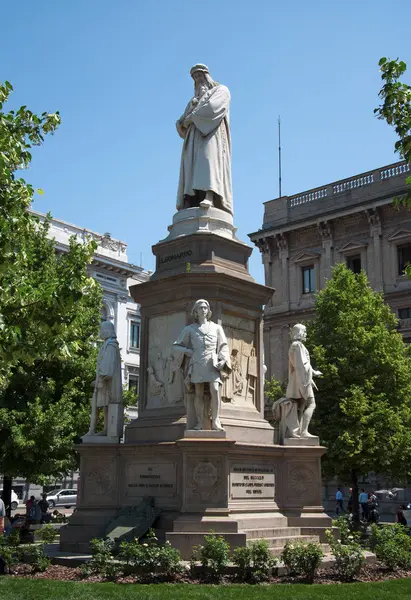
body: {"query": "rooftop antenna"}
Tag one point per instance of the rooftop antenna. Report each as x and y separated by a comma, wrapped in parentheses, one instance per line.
(141, 259)
(279, 156)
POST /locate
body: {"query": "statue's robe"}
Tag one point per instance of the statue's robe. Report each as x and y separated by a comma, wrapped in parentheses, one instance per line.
(300, 373)
(206, 154)
(109, 389)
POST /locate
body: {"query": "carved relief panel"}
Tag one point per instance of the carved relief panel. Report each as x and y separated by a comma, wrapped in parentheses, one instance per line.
(240, 388)
(165, 384)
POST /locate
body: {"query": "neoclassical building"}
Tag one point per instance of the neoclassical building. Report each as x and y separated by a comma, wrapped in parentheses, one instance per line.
(110, 267)
(303, 236)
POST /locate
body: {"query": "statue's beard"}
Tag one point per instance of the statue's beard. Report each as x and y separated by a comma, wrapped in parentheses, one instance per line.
(201, 90)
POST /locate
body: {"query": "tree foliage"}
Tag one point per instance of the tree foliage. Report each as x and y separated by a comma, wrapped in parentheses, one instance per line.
(363, 410)
(396, 111)
(50, 313)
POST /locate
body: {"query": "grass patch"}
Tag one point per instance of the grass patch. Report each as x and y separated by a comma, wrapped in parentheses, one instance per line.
(42, 589)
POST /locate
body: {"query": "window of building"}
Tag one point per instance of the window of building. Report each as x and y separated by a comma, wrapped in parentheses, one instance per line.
(134, 334)
(404, 313)
(407, 340)
(404, 257)
(308, 274)
(354, 263)
(133, 383)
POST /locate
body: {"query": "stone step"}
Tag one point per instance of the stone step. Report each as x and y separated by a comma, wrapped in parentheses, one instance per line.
(280, 542)
(272, 532)
(277, 550)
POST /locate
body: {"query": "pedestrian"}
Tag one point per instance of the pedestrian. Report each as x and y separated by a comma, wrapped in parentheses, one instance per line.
(400, 517)
(363, 500)
(349, 505)
(2, 516)
(44, 507)
(339, 502)
(29, 505)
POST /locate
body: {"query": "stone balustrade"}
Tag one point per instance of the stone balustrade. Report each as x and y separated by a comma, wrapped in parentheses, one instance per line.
(340, 187)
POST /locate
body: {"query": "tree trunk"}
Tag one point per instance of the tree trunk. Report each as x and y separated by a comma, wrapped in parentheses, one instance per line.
(7, 483)
(355, 505)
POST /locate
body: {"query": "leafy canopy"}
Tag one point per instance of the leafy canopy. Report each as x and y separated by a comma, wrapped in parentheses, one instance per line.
(363, 410)
(396, 111)
(49, 317)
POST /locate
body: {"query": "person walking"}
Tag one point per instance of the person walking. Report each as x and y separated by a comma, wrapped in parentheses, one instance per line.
(339, 502)
(2, 516)
(363, 500)
(349, 505)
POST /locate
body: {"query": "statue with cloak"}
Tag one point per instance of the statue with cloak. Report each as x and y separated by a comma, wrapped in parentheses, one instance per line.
(205, 172)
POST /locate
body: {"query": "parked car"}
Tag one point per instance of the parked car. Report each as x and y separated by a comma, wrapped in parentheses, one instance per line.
(14, 499)
(66, 498)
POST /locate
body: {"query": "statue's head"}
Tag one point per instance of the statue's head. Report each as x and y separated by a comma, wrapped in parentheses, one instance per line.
(202, 79)
(299, 332)
(107, 330)
(204, 307)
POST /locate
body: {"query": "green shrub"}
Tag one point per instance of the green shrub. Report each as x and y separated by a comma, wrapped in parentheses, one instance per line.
(36, 557)
(214, 556)
(47, 534)
(302, 559)
(14, 538)
(392, 545)
(349, 557)
(347, 532)
(151, 557)
(255, 562)
(101, 561)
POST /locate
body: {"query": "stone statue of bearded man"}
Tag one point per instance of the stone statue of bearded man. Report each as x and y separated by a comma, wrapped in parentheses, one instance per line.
(205, 172)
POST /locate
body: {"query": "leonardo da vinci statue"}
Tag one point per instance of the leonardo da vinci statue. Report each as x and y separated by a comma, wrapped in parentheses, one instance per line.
(205, 172)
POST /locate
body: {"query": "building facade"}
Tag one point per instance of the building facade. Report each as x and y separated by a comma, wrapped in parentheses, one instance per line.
(303, 236)
(110, 267)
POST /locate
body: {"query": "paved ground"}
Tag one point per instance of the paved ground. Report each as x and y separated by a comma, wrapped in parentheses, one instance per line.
(21, 509)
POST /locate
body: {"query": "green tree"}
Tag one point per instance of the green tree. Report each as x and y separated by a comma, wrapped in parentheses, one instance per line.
(273, 390)
(363, 410)
(50, 311)
(396, 111)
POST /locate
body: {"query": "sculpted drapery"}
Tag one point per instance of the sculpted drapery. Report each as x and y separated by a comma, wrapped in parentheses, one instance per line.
(206, 154)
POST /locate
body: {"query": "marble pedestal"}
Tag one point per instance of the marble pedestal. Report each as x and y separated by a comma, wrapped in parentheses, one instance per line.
(239, 490)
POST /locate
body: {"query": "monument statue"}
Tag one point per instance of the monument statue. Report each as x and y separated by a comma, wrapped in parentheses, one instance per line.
(205, 345)
(295, 410)
(108, 389)
(205, 172)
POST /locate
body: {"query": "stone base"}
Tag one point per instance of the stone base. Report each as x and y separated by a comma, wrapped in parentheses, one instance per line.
(205, 434)
(204, 219)
(99, 439)
(241, 491)
(307, 441)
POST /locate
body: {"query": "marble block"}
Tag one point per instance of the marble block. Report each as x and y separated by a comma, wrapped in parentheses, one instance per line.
(205, 434)
(202, 219)
(308, 441)
(99, 439)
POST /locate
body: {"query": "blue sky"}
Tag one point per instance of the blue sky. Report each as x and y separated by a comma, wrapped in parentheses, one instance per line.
(118, 72)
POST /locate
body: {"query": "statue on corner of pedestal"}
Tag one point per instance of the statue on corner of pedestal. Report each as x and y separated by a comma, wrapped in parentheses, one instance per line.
(205, 172)
(295, 410)
(204, 347)
(108, 391)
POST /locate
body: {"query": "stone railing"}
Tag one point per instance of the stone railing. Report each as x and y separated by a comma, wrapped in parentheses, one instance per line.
(345, 185)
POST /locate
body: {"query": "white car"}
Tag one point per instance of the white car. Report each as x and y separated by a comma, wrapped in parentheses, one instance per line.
(66, 498)
(14, 499)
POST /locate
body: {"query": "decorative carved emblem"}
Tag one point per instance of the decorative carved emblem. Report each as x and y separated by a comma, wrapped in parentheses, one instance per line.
(301, 481)
(100, 481)
(205, 474)
(204, 480)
